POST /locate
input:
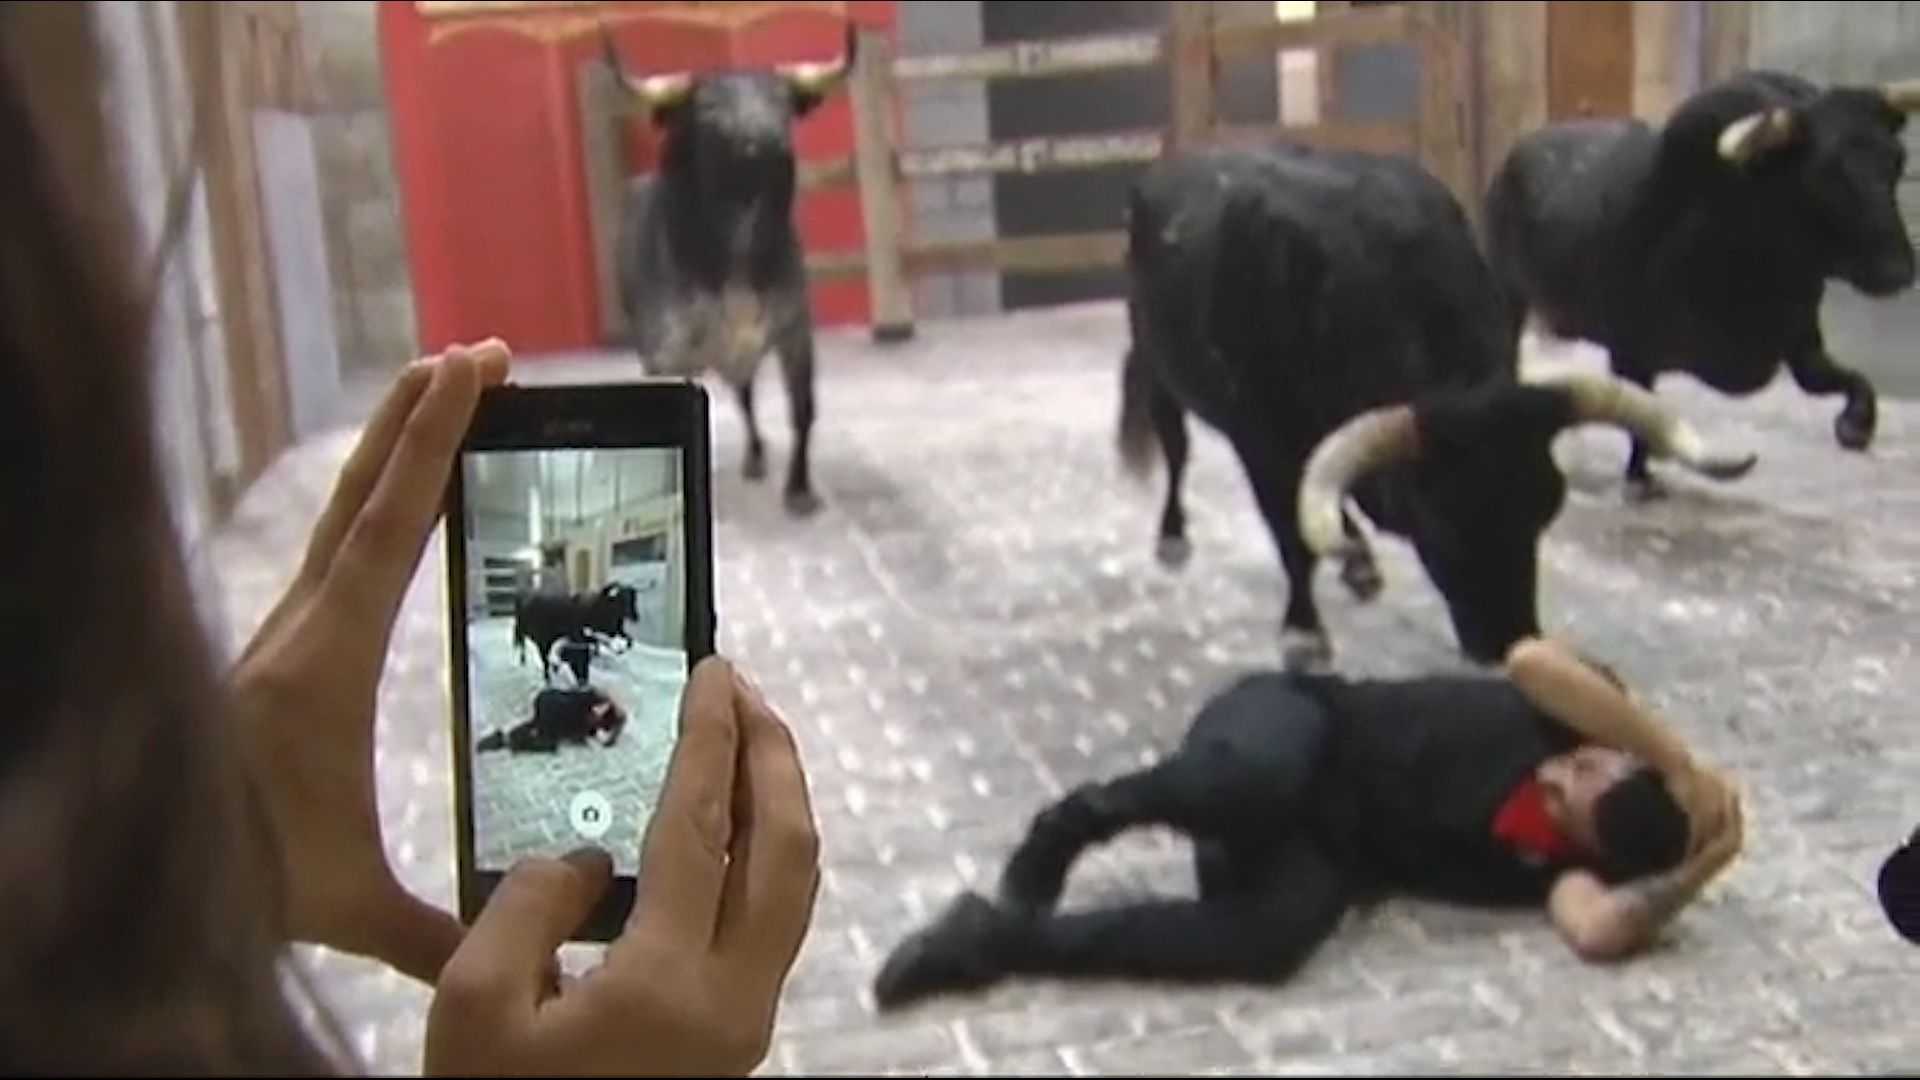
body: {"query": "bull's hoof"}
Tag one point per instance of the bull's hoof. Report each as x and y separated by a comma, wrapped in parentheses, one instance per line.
(1853, 428)
(802, 503)
(1173, 551)
(958, 953)
(756, 466)
(1305, 651)
(1361, 575)
(1644, 489)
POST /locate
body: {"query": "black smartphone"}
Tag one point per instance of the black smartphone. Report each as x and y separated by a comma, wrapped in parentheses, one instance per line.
(580, 595)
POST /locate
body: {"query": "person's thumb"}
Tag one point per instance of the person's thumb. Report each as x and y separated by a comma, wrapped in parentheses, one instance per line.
(531, 913)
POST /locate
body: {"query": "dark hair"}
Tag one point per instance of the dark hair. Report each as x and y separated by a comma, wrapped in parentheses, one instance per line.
(1642, 829)
(143, 930)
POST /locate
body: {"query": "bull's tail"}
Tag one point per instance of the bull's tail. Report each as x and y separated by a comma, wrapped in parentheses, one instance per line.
(1138, 439)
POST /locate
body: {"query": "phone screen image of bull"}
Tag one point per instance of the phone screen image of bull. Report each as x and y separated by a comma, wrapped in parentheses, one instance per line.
(576, 646)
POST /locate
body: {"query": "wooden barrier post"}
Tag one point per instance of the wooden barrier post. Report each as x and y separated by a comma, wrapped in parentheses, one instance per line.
(1191, 70)
(880, 203)
(1441, 136)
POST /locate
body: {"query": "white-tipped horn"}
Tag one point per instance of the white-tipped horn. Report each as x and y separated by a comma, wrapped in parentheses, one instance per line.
(662, 91)
(654, 91)
(1903, 95)
(1605, 399)
(1364, 443)
(1753, 135)
(820, 78)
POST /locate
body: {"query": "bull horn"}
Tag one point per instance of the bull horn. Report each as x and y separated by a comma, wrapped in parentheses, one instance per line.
(1755, 134)
(654, 91)
(1362, 444)
(1605, 399)
(1903, 95)
(818, 79)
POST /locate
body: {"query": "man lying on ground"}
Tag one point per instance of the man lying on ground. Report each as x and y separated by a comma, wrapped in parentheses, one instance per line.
(1306, 794)
(569, 716)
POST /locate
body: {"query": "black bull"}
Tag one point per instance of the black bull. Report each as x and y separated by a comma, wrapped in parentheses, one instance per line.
(1330, 314)
(545, 618)
(1705, 247)
(710, 266)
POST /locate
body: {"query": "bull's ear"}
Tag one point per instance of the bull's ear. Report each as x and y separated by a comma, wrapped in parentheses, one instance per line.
(1755, 135)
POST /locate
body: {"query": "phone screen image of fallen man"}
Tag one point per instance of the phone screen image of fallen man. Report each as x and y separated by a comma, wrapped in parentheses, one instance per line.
(576, 656)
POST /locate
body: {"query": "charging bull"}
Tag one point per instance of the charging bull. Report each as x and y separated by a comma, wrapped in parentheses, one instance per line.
(709, 263)
(1330, 314)
(1706, 247)
(544, 618)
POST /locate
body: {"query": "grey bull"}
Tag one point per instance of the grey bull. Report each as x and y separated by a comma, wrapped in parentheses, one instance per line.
(709, 263)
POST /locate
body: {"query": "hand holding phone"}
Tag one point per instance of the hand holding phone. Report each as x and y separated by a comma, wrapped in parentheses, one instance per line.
(304, 689)
(579, 583)
(728, 877)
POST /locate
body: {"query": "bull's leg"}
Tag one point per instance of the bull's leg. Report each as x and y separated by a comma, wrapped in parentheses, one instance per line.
(796, 372)
(1303, 641)
(578, 660)
(1816, 372)
(1641, 486)
(1170, 424)
(756, 466)
(1358, 570)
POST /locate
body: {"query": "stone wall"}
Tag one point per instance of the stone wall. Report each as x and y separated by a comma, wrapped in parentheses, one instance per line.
(366, 246)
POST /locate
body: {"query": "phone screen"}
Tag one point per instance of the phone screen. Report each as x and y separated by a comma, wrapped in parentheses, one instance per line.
(576, 586)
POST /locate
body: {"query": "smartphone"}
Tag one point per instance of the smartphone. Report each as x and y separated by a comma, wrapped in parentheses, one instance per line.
(580, 595)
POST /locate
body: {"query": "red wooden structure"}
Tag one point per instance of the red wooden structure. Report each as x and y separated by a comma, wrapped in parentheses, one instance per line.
(488, 147)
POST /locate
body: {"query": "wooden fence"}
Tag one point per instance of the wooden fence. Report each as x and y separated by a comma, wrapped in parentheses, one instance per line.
(1192, 47)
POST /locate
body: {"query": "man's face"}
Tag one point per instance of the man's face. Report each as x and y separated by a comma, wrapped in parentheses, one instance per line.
(1575, 781)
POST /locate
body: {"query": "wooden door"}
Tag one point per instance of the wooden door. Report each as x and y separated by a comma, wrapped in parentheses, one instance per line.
(1589, 59)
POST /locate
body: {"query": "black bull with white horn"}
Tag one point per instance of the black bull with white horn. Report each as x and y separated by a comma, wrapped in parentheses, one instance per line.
(1489, 590)
(1390, 434)
(1705, 246)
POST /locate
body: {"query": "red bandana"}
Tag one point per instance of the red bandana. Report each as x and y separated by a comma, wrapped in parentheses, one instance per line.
(1523, 823)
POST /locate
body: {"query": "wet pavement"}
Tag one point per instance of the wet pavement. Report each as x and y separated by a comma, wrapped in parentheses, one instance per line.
(976, 623)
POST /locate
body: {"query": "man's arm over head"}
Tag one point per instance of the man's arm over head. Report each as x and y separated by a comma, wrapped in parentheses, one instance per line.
(1559, 684)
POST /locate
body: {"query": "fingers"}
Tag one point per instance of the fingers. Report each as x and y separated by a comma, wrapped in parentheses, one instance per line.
(382, 547)
(774, 876)
(683, 860)
(507, 957)
(363, 468)
(350, 489)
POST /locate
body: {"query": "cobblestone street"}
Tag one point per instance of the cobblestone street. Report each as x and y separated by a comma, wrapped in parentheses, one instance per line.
(976, 623)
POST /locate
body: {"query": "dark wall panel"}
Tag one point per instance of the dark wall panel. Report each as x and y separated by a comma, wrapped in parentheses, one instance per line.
(1085, 200)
